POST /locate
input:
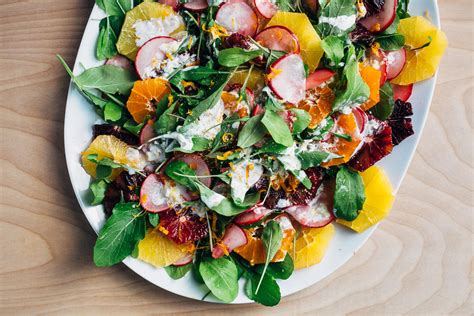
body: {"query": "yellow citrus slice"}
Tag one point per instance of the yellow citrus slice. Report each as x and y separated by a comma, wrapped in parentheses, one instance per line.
(159, 251)
(311, 246)
(421, 63)
(126, 44)
(309, 40)
(108, 146)
(256, 79)
(378, 200)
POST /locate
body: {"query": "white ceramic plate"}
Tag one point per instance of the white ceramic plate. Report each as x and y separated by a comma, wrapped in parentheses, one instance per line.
(80, 117)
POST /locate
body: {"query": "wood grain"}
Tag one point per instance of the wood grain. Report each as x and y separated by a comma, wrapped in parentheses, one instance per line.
(420, 260)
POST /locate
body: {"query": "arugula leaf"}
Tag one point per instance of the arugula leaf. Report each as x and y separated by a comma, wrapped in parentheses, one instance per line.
(177, 272)
(278, 270)
(109, 29)
(402, 9)
(182, 173)
(166, 122)
(269, 292)
(133, 127)
(115, 7)
(349, 196)
(384, 108)
(336, 17)
(333, 47)
(154, 219)
(218, 203)
(271, 102)
(357, 91)
(252, 132)
(322, 129)
(98, 188)
(311, 159)
(200, 73)
(302, 121)
(277, 128)
(272, 237)
(220, 276)
(106, 78)
(112, 112)
(119, 235)
(271, 147)
(233, 57)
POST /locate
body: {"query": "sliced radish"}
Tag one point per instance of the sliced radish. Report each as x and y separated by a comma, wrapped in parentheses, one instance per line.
(234, 237)
(196, 5)
(395, 62)
(318, 77)
(172, 3)
(279, 38)
(381, 21)
(287, 78)
(151, 53)
(319, 212)
(238, 17)
(120, 61)
(266, 8)
(199, 166)
(402, 92)
(184, 261)
(252, 215)
(360, 117)
(258, 109)
(147, 132)
(159, 193)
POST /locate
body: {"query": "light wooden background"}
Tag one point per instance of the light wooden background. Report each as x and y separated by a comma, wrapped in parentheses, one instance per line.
(420, 260)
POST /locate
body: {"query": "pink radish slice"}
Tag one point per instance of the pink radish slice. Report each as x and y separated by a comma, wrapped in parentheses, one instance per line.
(318, 77)
(172, 3)
(279, 38)
(252, 215)
(238, 17)
(196, 5)
(120, 61)
(266, 8)
(360, 117)
(234, 237)
(258, 109)
(382, 20)
(147, 132)
(319, 212)
(395, 62)
(199, 166)
(402, 92)
(151, 192)
(184, 261)
(150, 53)
(289, 80)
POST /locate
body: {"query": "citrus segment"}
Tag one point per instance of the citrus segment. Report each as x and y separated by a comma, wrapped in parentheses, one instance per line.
(378, 200)
(144, 97)
(346, 124)
(311, 246)
(107, 146)
(371, 77)
(256, 79)
(159, 251)
(422, 62)
(318, 103)
(309, 40)
(127, 41)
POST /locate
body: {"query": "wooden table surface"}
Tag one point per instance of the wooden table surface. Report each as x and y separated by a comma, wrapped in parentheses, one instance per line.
(419, 261)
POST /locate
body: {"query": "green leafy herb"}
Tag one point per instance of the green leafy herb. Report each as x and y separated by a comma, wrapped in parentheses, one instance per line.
(177, 272)
(182, 173)
(272, 237)
(233, 57)
(278, 270)
(302, 120)
(309, 159)
(167, 122)
(98, 188)
(402, 9)
(109, 28)
(252, 132)
(112, 112)
(220, 276)
(384, 108)
(333, 47)
(133, 127)
(277, 128)
(115, 7)
(390, 41)
(107, 78)
(122, 231)
(263, 289)
(357, 91)
(332, 11)
(154, 219)
(218, 203)
(349, 196)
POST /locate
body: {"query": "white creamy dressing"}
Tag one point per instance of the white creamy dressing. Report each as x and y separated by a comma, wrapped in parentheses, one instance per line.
(145, 30)
(154, 153)
(170, 194)
(289, 159)
(213, 199)
(284, 222)
(244, 175)
(136, 159)
(283, 203)
(342, 22)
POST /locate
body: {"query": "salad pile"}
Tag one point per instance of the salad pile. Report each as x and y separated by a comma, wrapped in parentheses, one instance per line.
(235, 133)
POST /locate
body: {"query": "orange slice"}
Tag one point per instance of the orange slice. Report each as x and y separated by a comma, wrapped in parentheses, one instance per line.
(159, 251)
(318, 103)
(311, 246)
(144, 97)
(371, 77)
